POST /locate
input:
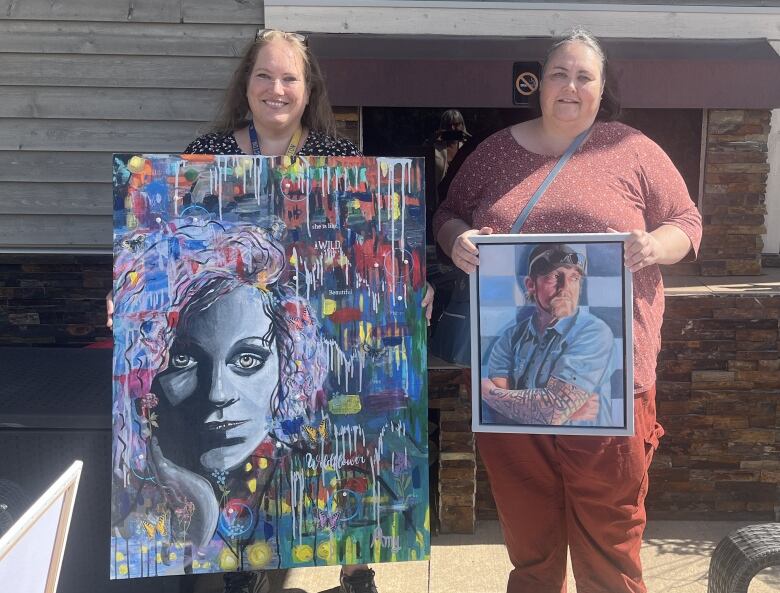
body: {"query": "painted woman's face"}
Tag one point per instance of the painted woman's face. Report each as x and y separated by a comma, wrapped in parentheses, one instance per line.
(222, 374)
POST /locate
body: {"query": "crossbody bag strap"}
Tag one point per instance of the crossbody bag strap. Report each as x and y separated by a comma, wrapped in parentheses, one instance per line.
(547, 181)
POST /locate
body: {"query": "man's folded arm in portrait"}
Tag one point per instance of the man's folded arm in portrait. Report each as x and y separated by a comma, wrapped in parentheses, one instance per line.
(570, 394)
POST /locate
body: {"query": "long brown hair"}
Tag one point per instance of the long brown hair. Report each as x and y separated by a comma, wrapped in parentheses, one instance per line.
(234, 112)
(609, 109)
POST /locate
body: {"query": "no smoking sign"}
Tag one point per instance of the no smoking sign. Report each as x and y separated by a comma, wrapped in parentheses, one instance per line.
(525, 77)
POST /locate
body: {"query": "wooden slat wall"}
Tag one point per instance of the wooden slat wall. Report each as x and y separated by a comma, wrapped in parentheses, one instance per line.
(84, 78)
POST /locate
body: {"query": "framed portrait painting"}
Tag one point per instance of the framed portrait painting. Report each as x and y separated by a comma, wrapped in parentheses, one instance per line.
(551, 319)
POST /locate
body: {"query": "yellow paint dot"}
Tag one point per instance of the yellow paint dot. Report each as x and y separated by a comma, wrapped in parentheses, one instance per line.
(238, 170)
(132, 277)
(158, 558)
(383, 168)
(345, 404)
(144, 549)
(259, 554)
(119, 556)
(328, 307)
(195, 564)
(252, 485)
(303, 553)
(172, 556)
(356, 204)
(248, 467)
(136, 164)
(123, 569)
(263, 463)
(293, 260)
(262, 280)
(396, 206)
(227, 560)
(206, 565)
(324, 550)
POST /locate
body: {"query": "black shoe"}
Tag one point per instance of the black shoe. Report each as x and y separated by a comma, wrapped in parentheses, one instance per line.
(361, 581)
(246, 582)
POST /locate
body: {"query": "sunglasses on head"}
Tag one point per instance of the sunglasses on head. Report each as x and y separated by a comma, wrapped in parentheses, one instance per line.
(264, 33)
(554, 258)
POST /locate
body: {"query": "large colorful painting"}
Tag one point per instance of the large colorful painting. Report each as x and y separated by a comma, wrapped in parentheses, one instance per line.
(270, 405)
(551, 335)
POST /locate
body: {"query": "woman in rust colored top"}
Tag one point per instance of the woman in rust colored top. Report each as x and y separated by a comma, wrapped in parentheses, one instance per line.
(582, 492)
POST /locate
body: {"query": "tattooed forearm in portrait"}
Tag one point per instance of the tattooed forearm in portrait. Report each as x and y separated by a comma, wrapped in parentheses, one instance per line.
(553, 404)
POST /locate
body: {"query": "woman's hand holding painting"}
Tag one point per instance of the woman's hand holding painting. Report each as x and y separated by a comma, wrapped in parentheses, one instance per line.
(664, 246)
(110, 310)
(465, 254)
(427, 301)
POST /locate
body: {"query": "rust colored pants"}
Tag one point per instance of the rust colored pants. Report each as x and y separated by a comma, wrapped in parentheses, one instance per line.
(586, 492)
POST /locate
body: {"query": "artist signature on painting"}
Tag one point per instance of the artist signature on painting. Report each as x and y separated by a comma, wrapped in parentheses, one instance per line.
(392, 542)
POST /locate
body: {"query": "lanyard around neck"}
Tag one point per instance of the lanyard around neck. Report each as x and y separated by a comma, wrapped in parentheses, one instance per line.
(291, 149)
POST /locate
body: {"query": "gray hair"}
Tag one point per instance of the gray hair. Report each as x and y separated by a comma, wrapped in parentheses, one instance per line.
(610, 100)
(581, 35)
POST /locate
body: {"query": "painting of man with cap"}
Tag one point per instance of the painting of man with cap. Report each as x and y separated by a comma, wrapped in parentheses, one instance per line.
(554, 366)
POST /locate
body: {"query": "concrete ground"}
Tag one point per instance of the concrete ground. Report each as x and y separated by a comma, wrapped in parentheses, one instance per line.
(676, 558)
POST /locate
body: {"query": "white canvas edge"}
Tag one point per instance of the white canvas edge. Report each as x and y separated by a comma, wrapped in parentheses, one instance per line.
(476, 425)
(64, 487)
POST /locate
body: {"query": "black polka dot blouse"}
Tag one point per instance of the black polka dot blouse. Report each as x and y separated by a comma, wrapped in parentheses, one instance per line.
(317, 144)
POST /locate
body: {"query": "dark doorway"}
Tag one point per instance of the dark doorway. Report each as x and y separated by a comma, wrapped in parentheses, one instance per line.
(388, 131)
(409, 131)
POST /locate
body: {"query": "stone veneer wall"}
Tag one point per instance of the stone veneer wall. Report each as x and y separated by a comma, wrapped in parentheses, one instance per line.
(719, 401)
(733, 204)
(448, 394)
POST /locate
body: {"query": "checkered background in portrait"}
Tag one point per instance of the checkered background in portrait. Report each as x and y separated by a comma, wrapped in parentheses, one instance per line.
(503, 303)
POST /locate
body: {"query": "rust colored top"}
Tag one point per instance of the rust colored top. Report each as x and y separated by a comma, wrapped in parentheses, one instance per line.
(618, 178)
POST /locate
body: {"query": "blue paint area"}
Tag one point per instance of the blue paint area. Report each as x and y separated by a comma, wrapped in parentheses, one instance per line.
(605, 259)
(612, 316)
(494, 290)
(351, 393)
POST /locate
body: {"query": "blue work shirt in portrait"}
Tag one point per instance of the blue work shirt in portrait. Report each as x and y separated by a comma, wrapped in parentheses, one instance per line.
(576, 350)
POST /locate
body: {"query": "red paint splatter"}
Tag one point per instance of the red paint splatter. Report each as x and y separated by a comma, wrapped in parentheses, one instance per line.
(345, 315)
(417, 278)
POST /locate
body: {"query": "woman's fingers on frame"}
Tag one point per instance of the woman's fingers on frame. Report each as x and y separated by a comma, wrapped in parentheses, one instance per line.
(427, 301)
(467, 264)
(465, 244)
(470, 258)
(640, 260)
(109, 310)
(635, 245)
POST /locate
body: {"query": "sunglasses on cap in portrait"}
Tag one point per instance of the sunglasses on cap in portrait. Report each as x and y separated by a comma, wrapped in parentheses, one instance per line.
(547, 261)
(263, 33)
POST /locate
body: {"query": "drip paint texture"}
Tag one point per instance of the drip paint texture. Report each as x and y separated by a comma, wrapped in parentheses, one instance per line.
(270, 406)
